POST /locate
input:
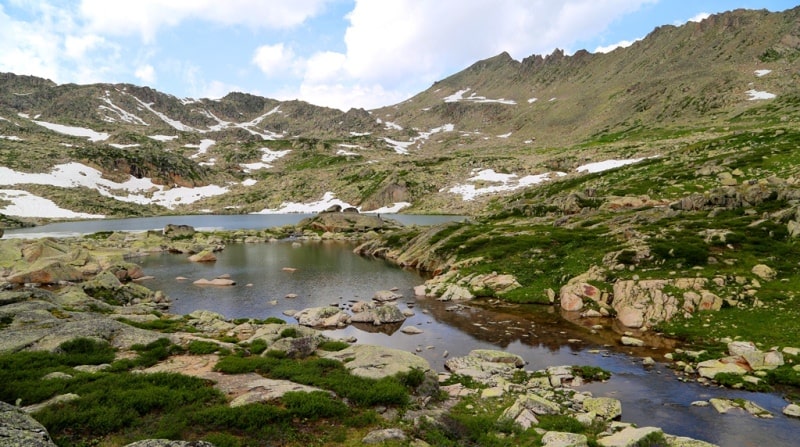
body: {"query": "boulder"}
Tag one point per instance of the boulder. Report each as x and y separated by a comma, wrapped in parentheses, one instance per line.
(384, 435)
(326, 316)
(682, 441)
(607, 408)
(19, 429)
(628, 437)
(494, 283)
(46, 271)
(573, 294)
(642, 303)
(631, 341)
(562, 439)
(203, 256)
(710, 368)
(214, 282)
(169, 443)
(259, 389)
(455, 292)
(377, 362)
(178, 231)
(484, 364)
(377, 314)
(792, 411)
(411, 330)
(386, 295)
(764, 272)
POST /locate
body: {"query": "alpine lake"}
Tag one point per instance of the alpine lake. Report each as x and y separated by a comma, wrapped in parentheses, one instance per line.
(272, 278)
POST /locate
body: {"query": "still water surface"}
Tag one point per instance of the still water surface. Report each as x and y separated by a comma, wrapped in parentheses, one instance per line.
(329, 273)
(204, 222)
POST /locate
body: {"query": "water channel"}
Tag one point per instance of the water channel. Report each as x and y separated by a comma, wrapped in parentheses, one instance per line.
(329, 273)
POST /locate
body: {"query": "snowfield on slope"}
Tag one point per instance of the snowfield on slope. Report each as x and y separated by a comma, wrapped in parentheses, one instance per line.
(510, 182)
(25, 204)
(141, 191)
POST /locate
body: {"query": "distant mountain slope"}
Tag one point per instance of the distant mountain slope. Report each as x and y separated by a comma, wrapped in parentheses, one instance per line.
(500, 125)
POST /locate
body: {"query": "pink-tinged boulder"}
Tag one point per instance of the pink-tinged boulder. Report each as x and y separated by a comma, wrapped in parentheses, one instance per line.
(631, 317)
(573, 294)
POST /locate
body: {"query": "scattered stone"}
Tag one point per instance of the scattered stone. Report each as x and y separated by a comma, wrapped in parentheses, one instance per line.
(631, 341)
(289, 269)
(203, 256)
(169, 443)
(607, 408)
(792, 410)
(326, 316)
(381, 436)
(291, 296)
(561, 439)
(710, 368)
(648, 361)
(411, 330)
(221, 282)
(386, 295)
(60, 399)
(700, 403)
(628, 437)
(764, 272)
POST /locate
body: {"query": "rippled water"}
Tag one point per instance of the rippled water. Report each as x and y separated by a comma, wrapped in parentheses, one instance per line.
(329, 273)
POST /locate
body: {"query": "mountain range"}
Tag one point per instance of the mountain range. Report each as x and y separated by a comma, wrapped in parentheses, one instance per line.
(464, 145)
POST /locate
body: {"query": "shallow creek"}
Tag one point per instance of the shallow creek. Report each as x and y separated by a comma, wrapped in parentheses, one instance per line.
(329, 273)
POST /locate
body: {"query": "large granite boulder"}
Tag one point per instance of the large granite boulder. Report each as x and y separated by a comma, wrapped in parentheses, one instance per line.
(19, 429)
(485, 364)
(377, 314)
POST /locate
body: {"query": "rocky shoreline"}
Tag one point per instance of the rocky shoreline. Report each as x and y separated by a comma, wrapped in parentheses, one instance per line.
(62, 290)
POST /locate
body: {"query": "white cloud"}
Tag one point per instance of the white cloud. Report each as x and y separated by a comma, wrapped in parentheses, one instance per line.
(146, 17)
(146, 73)
(274, 59)
(700, 17)
(614, 46)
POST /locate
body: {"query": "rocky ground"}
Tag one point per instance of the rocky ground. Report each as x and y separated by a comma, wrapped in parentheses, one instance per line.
(77, 288)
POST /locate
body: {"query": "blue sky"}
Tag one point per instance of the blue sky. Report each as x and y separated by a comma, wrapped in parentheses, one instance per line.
(336, 53)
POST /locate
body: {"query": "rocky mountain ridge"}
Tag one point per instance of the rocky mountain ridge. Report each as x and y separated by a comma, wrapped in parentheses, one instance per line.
(486, 130)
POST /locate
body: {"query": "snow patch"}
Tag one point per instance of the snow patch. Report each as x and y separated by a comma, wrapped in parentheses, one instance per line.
(344, 153)
(756, 95)
(532, 100)
(141, 191)
(389, 209)
(121, 113)
(202, 148)
(164, 138)
(92, 135)
(459, 96)
(268, 156)
(11, 137)
(249, 182)
(392, 126)
(504, 182)
(174, 123)
(505, 135)
(25, 204)
(601, 166)
(360, 134)
(761, 73)
(401, 147)
(328, 199)
(124, 146)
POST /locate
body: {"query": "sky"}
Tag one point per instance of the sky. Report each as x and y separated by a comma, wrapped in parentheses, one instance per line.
(334, 53)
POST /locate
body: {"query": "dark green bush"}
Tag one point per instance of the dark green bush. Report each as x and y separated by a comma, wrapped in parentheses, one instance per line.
(201, 347)
(333, 345)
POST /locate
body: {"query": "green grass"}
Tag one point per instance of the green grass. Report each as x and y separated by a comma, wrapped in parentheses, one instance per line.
(323, 373)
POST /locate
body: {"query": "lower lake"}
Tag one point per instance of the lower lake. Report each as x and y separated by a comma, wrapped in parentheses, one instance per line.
(329, 273)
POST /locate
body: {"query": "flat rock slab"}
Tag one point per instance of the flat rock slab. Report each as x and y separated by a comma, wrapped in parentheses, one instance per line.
(376, 362)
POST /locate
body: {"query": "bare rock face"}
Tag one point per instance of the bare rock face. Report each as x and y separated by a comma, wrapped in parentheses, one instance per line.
(326, 316)
(19, 429)
(377, 362)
